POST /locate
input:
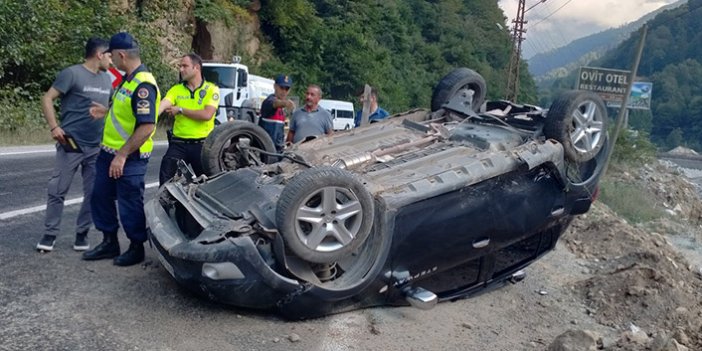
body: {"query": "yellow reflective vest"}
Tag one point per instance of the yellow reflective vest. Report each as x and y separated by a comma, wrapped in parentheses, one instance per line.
(120, 120)
(207, 94)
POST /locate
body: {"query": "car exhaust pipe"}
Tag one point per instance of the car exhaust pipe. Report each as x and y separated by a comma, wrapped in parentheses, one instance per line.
(420, 298)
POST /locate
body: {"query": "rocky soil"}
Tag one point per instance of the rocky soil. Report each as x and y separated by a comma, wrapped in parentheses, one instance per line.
(643, 281)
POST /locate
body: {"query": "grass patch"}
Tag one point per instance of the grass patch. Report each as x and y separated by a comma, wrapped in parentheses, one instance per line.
(633, 203)
(26, 136)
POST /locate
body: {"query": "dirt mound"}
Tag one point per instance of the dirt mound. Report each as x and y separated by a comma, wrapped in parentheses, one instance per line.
(640, 283)
(681, 150)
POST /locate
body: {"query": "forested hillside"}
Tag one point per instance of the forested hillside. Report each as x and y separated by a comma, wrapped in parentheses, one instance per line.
(588, 48)
(400, 46)
(672, 60)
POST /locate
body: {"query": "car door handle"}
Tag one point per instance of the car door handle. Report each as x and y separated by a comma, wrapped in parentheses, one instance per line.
(479, 244)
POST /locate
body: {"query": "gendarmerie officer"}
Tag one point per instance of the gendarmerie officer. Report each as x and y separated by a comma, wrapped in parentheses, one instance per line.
(126, 147)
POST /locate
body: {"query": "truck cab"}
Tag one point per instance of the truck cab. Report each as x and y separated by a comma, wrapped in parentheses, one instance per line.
(235, 86)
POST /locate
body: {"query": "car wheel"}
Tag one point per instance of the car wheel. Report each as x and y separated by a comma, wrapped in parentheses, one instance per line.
(221, 151)
(578, 120)
(455, 81)
(324, 214)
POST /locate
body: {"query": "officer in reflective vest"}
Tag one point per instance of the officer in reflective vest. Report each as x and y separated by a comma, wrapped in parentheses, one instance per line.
(193, 103)
(126, 146)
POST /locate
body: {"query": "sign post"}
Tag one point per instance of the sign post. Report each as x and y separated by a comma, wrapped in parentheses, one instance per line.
(115, 76)
(615, 87)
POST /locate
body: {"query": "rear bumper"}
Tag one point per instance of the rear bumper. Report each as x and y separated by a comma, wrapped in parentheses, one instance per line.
(231, 271)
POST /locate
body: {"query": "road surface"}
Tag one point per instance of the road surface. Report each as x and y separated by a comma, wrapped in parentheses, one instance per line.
(56, 301)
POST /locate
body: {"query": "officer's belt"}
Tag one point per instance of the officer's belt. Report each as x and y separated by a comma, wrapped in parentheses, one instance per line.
(175, 139)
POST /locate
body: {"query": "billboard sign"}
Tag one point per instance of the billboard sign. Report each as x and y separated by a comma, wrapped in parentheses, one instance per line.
(610, 84)
(639, 99)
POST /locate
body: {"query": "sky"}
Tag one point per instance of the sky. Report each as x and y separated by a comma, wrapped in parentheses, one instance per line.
(555, 23)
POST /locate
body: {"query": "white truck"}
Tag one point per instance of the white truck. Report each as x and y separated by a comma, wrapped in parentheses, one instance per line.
(241, 93)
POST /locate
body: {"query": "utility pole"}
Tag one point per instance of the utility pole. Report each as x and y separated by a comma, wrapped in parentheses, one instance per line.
(624, 110)
(514, 60)
(518, 32)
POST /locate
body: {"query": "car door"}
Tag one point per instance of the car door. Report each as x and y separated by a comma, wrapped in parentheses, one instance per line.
(530, 203)
(448, 234)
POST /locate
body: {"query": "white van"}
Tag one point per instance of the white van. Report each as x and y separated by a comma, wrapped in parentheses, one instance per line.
(342, 113)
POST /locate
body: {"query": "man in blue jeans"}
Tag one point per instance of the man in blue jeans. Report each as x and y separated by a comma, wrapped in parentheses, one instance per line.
(78, 137)
(273, 111)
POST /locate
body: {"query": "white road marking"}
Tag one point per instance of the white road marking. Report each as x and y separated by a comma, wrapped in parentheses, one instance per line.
(24, 211)
(46, 149)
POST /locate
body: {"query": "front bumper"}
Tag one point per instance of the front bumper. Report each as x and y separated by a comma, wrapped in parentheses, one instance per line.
(231, 271)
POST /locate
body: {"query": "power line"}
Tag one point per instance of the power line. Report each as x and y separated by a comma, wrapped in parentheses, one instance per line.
(551, 14)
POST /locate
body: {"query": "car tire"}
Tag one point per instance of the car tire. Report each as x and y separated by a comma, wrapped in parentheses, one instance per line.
(456, 80)
(219, 152)
(578, 120)
(329, 202)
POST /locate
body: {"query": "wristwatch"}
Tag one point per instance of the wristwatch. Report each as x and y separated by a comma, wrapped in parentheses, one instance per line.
(180, 110)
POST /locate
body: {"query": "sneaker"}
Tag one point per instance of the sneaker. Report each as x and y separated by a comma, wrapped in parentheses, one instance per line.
(46, 243)
(81, 243)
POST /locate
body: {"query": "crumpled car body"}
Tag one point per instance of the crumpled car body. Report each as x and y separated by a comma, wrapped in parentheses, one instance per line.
(425, 206)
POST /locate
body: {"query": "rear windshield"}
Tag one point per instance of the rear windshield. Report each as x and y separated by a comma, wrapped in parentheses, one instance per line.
(224, 77)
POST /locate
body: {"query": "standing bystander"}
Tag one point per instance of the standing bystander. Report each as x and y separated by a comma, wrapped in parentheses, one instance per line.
(124, 155)
(273, 111)
(376, 113)
(78, 136)
(310, 120)
(193, 103)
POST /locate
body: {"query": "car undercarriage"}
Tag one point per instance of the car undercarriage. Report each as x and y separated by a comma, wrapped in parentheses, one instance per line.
(425, 206)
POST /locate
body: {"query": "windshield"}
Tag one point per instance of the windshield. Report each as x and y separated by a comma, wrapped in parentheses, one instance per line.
(224, 77)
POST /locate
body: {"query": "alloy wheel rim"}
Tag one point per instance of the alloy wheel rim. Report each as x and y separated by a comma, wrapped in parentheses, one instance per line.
(587, 127)
(328, 219)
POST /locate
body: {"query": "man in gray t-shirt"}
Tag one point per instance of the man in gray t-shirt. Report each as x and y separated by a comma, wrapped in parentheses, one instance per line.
(310, 120)
(78, 137)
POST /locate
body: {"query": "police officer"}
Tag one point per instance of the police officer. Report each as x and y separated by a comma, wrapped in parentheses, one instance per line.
(124, 154)
(194, 104)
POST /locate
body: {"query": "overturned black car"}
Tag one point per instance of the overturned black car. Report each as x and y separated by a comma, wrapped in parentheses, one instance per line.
(423, 207)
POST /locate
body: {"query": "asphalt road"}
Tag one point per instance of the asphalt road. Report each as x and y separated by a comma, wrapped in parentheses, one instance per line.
(25, 171)
(55, 301)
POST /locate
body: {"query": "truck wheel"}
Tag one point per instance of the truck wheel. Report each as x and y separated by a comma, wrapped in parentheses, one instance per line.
(578, 120)
(456, 80)
(221, 151)
(248, 115)
(324, 214)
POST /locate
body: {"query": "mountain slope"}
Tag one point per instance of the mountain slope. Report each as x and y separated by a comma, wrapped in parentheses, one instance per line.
(585, 49)
(672, 60)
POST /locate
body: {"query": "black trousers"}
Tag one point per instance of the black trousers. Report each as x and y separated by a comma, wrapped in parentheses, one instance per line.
(177, 150)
